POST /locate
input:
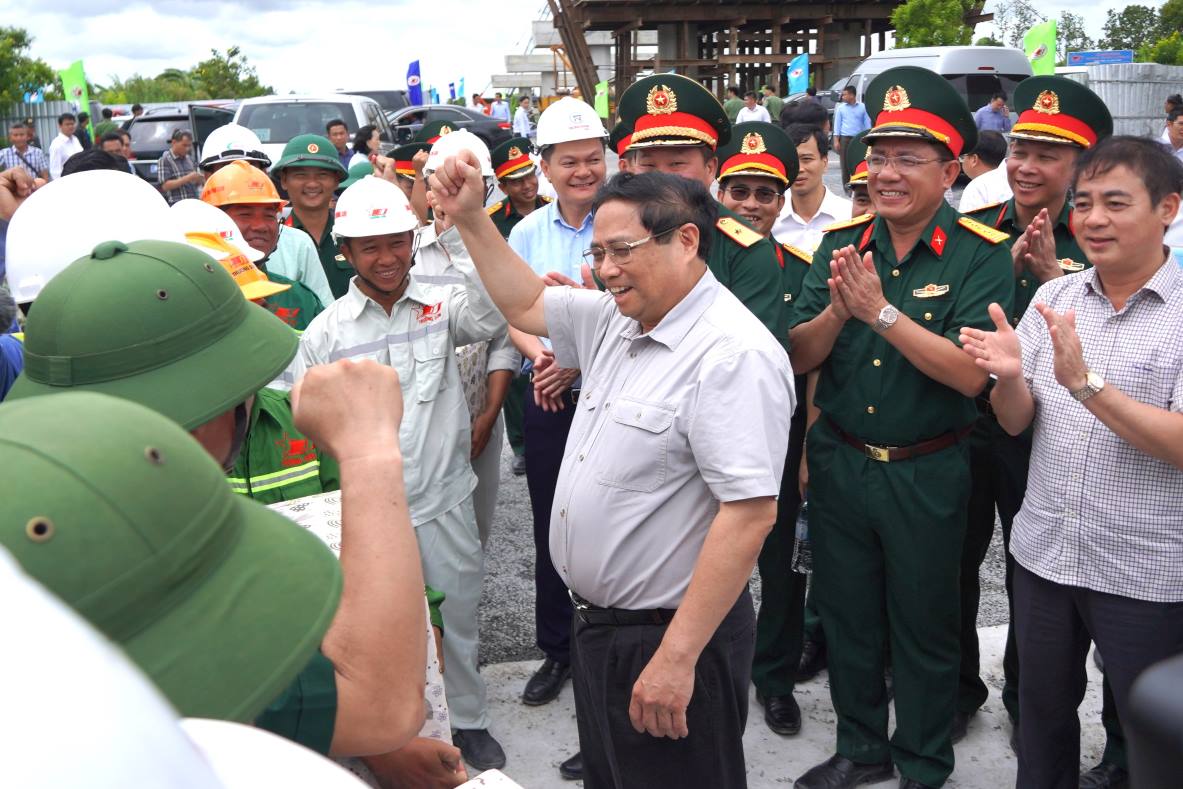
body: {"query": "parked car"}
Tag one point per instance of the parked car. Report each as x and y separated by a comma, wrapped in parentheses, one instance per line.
(277, 119)
(409, 120)
(388, 100)
(827, 98)
(152, 132)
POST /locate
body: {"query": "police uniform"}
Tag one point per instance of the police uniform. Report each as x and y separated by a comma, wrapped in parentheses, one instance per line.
(313, 150)
(888, 464)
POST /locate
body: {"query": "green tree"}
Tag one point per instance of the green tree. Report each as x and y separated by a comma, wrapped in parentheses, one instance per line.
(1070, 36)
(1131, 28)
(1167, 50)
(931, 23)
(20, 73)
(988, 41)
(1170, 17)
(1012, 20)
(228, 76)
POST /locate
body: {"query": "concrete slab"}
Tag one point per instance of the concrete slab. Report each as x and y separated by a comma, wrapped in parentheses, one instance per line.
(537, 739)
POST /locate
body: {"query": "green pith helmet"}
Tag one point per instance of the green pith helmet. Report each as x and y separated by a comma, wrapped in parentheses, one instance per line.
(669, 109)
(156, 322)
(758, 148)
(128, 520)
(511, 159)
(913, 102)
(430, 132)
(1058, 110)
(310, 150)
(855, 171)
(356, 173)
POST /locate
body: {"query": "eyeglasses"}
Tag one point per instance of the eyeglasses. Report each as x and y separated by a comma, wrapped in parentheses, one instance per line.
(903, 164)
(764, 195)
(620, 251)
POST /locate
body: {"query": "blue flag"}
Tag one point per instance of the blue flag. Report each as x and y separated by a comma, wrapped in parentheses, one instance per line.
(435, 96)
(798, 73)
(460, 90)
(452, 91)
(414, 84)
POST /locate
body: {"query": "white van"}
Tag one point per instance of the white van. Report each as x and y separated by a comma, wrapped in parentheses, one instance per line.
(977, 72)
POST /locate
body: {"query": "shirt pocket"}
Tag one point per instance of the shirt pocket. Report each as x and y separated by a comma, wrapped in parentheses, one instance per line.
(431, 364)
(636, 441)
(929, 313)
(1147, 382)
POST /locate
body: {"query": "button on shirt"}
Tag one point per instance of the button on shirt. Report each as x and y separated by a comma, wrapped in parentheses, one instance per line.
(850, 119)
(418, 339)
(790, 228)
(669, 424)
(1100, 513)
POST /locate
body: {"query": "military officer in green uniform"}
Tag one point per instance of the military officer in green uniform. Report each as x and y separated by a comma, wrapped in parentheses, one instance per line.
(673, 124)
(1058, 119)
(309, 172)
(855, 174)
(880, 313)
(755, 169)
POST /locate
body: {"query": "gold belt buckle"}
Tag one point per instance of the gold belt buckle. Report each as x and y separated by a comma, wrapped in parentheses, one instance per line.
(882, 454)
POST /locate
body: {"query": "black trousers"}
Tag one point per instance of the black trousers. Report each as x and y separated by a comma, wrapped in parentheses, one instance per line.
(545, 435)
(606, 661)
(1053, 626)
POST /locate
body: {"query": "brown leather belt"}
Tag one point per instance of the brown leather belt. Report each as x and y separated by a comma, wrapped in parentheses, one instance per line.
(888, 454)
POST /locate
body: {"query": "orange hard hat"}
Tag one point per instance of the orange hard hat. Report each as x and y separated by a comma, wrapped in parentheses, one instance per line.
(238, 183)
(251, 280)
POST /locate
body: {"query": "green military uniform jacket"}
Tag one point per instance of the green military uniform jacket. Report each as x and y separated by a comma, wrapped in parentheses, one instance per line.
(296, 306)
(337, 269)
(746, 264)
(1002, 216)
(731, 108)
(505, 216)
(794, 265)
(774, 104)
(957, 268)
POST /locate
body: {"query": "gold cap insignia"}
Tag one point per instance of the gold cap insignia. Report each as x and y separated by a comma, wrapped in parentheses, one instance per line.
(661, 101)
(1048, 103)
(754, 143)
(896, 100)
(445, 130)
(514, 153)
(313, 147)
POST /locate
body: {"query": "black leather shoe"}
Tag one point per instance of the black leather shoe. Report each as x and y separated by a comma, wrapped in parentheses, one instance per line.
(838, 772)
(908, 783)
(572, 769)
(1105, 776)
(781, 713)
(479, 748)
(960, 726)
(519, 465)
(813, 661)
(546, 683)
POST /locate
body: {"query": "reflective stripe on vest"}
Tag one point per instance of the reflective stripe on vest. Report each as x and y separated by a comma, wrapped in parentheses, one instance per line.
(276, 479)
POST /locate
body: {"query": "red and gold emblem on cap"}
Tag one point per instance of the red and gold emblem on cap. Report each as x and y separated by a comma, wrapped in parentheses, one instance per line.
(753, 144)
(1048, 103)
(896, 100)
(661, 101)
(445, 130)
(514, 153)
(313, 147)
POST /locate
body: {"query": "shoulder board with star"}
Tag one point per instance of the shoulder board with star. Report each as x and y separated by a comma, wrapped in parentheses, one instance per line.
(738, 232)
(495, 208)
(546, 199)
(983, 231)
(844, 224)
(797, 252)
(984, 208)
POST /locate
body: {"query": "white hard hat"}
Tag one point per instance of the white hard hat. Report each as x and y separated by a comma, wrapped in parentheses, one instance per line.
(65, 219)
(230, 142)
(453, 143)
(196, 216)
(372, 207)
(569, 119)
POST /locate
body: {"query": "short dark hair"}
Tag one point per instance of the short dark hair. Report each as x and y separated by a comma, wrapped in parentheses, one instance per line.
(733, 89)
(810, 113)
(1175, 99)
(1174, 114)
(751, 94)
(998, 94)
(851, 90)
(108, 113)
(18, 125)
(111, 136)
(664, 201)
(362, 137)
(136, 107)
(123, 133)
(811, 91)
(83, 117)
(94, 158)
(66, 116)
(991, 148)
(335, 122)
(180, 134)
(800, 132)
(1150, 160)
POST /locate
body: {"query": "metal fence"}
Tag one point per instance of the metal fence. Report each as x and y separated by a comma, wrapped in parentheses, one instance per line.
(1134, 93)
(45, 118)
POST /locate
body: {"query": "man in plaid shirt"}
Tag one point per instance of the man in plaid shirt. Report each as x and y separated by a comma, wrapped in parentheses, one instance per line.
(21, 154)
(179, 177)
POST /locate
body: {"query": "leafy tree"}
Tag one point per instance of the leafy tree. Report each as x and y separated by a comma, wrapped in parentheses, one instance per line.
(228, 76)
(20, 73)
(1070, 35)
(931, 23)
(1131, 28)
(1012, 20)
(988, 41)
(1170, 17)
(1167, 50)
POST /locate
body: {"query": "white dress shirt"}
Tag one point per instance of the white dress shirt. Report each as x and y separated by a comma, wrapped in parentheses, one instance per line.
(987, 189)
(61, 149)
(790, 228)
(756, 113)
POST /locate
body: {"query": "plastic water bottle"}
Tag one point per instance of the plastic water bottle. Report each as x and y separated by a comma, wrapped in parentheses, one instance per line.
(802, 552)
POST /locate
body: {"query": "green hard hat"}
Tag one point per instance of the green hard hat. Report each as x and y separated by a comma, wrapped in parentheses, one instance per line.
(156, 322)
(128, 520)
(855, 154)
(430, 132)
(916, 103)
(310, 150)
(759, 148)
(1058, 110)
(669, 109)
(356, 173)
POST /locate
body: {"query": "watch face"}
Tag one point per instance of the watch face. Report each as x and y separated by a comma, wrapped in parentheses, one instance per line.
(1095, 381)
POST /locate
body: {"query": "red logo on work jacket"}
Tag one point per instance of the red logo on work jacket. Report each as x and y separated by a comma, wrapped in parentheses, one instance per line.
(938, 240)
(295, 451)
(288, 315)
(430, 313)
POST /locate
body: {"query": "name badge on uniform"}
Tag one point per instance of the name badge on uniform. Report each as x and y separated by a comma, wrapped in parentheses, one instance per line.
(930, 291)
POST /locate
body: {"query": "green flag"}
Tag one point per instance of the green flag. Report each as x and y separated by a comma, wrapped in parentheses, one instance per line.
(74, 86)
(1040, 46)
(602, 99)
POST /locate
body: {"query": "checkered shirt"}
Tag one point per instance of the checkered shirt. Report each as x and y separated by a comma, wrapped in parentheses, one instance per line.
(170, 167)
(34, 162)
(1099, 513)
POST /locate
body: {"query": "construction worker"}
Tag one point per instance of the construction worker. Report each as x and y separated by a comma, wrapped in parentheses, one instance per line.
(879, 314)
(392, 318)
(674, 125)
(231, 143)
(309, 172)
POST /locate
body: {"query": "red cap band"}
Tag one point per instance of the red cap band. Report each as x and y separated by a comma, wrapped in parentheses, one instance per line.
(923, 120)
(674, 124)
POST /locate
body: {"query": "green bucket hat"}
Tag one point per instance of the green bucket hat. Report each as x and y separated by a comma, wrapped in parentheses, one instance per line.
(128, 520)
(310, 150)
(156, 322)
(356, 173)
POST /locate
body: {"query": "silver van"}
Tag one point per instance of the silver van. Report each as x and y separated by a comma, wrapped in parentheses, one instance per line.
(977, 72)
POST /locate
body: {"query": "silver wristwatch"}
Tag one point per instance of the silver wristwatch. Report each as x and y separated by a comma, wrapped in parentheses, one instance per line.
(887, 318)
(1093, 384)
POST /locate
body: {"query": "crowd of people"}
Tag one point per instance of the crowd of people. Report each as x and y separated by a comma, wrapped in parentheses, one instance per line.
(691, 360)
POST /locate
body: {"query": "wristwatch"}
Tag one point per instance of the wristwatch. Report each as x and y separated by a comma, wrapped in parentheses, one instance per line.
(887, 318)
(1093, 384)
